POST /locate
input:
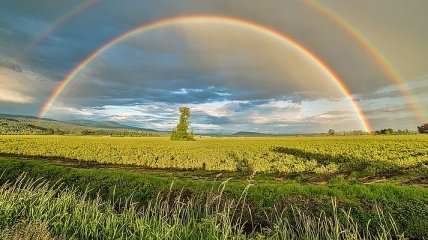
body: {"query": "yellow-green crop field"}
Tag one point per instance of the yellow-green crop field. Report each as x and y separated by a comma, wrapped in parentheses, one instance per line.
(374, 154)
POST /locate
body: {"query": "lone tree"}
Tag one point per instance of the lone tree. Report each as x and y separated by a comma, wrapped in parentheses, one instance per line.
(423, 128)
(179, 133)
(331, 132)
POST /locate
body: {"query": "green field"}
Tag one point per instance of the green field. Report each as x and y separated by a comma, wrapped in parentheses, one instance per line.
(281, 188)
(363, 154)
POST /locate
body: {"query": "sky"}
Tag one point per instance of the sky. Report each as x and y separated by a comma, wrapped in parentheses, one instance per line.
(234, 77)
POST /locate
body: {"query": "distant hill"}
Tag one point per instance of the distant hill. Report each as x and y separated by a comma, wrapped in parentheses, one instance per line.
(258, 134)
(107, 124)
(4, 115)
(247, 134)
(17, 124)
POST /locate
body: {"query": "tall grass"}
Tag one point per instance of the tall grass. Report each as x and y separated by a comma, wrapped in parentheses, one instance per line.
(65, 213)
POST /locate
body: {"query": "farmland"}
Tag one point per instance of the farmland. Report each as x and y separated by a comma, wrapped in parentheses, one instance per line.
(128, 188)
(369, 154)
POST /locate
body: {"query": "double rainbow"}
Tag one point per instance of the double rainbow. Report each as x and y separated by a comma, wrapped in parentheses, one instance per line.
(374, 52)
(53, 27)
(228, 21)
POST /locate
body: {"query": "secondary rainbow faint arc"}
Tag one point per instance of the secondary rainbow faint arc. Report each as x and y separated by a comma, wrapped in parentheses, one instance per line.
(211, 19)
(58, 23)
(375, 54)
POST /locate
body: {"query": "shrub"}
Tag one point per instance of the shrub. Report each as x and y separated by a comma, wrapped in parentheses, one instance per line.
(423, 128)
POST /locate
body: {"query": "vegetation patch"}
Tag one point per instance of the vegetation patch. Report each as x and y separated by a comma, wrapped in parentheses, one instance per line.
(407, 205)
(366, 155)
(55, 210)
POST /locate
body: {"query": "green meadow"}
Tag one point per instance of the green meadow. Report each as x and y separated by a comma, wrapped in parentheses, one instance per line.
(89, 187)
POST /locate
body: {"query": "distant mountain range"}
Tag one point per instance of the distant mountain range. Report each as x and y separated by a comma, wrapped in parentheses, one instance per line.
(19, 124)
(107, 124)
(249, 134)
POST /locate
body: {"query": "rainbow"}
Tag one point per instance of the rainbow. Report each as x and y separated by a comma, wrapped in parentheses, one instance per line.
(209, 19)
(57, 24)
(375, 53)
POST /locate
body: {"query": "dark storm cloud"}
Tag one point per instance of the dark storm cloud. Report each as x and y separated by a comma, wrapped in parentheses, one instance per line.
(106, 19)
(160, 72)
(66, 45)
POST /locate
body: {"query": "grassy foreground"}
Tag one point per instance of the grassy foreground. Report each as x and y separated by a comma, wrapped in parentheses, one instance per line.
(66, 213)
(269, 208)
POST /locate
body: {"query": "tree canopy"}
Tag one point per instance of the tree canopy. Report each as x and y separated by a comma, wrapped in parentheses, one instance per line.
(180, 132)
(423, 128)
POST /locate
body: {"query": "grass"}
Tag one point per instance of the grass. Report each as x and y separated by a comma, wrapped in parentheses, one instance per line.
(407, 205)
(367, 155)
(378, 185)
(33, 230)
(56, 210)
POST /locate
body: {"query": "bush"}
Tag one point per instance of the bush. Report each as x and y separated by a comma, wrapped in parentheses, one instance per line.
(423, 128)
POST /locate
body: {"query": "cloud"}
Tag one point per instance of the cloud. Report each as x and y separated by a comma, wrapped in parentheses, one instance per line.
(416, 87)
(202, 65)
(13, 88)
(403, 45)
(233, 78)
(19, 85)
(388, 107)
(228, 116)
(8, 95)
